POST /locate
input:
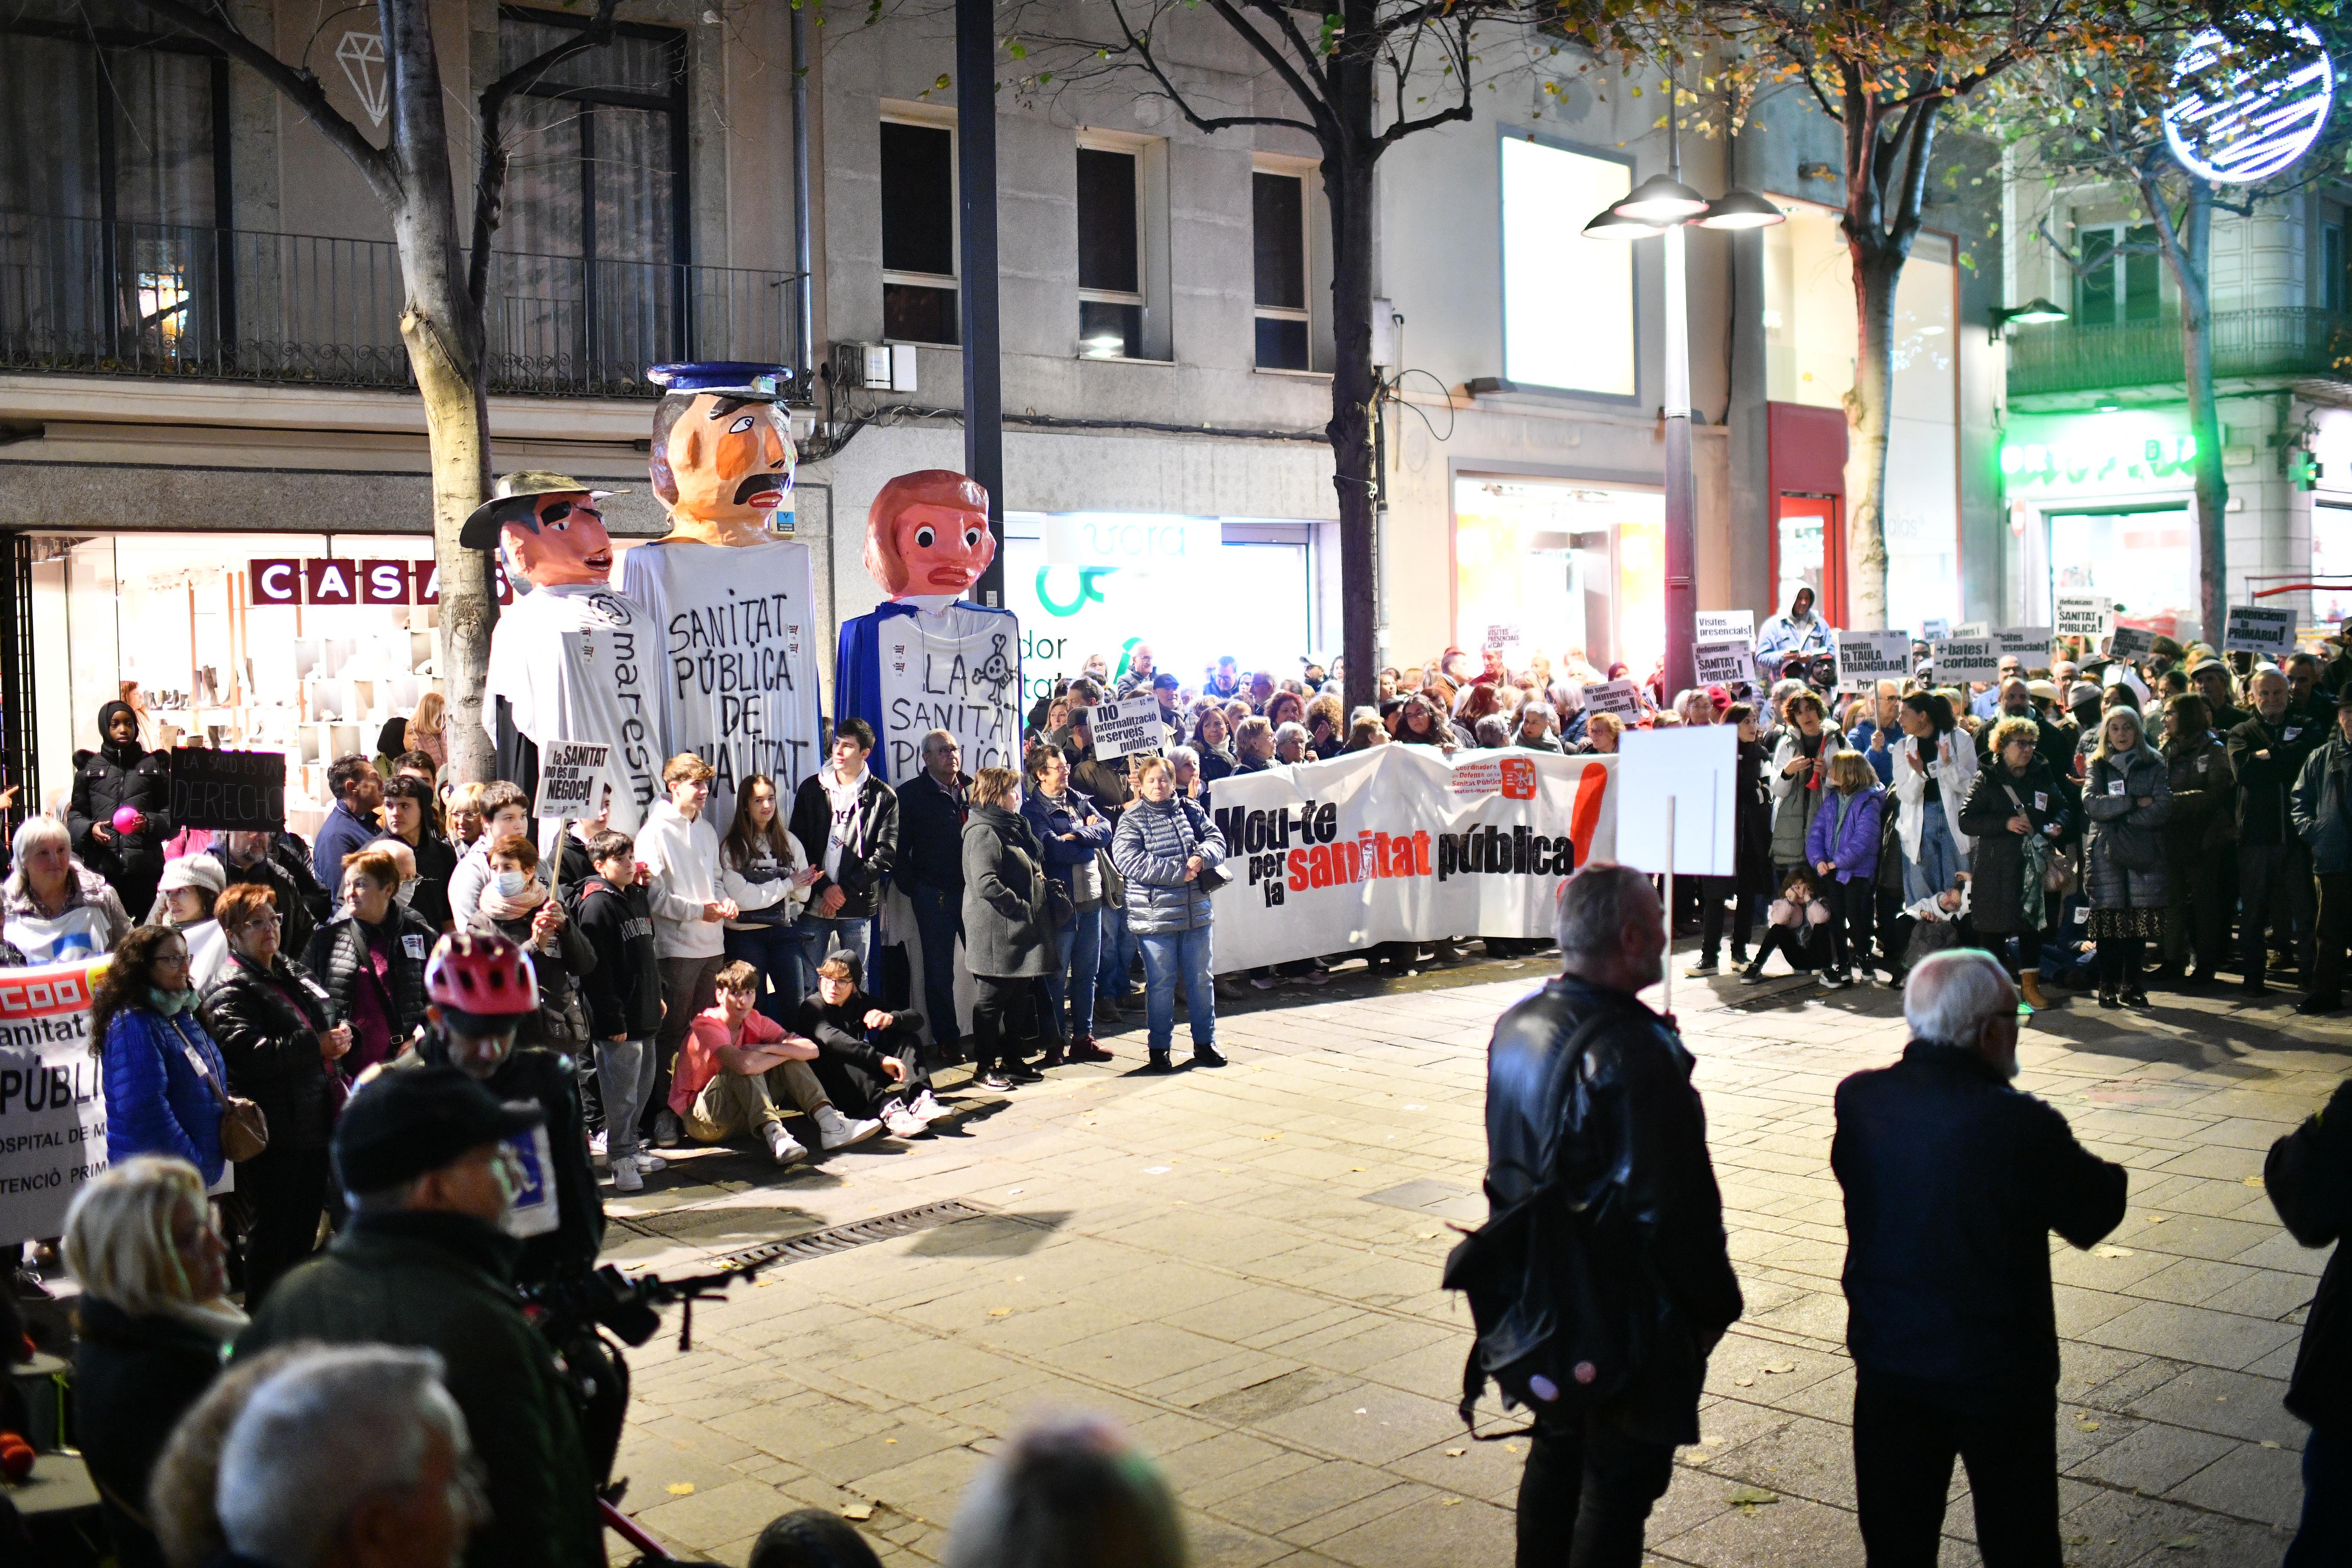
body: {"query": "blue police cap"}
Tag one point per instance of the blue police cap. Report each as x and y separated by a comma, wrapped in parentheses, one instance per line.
(731, 377)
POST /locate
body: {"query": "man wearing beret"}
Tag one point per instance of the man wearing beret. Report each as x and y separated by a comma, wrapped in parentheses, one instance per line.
(424, 1160)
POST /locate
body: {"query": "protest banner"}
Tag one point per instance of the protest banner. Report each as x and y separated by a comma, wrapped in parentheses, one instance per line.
(1722, 626)
(569, 773)
(907, 671)
(231, 791)
(1613, 697)
(2083, 615)
(1399, 844)
(1129, 729)
(1965, 659)
(52, 1104)
(2253, 629)
(2130, 643)
(1864, 657)
(1726, 662)
(2029, 646)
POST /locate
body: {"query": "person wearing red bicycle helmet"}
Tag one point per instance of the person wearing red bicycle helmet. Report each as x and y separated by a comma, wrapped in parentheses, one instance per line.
(482, 1017)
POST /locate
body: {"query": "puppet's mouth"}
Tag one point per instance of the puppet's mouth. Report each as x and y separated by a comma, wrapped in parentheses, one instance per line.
(948, 577)
(760, 490)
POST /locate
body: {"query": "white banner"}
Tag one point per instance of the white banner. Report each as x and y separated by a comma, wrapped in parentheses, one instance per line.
(1973, 659)
(2082, 615)
(2253, 629)
(1864, 658)
(52, 1103)
(579, 662)
(1722, 626)
(957, 669)
(1129, 729)
(1726, 662)
(567, 772)
(1399, 844)
(739, 658)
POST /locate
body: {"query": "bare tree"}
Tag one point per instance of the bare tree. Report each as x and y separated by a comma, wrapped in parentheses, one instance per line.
(442, 317)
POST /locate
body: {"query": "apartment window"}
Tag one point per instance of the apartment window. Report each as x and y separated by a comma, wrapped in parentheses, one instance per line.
(2330, 294)
(598, 171)
(2119, 276)
(1279, 222)
(1567, 301)
(1110, 254)
(919, 234)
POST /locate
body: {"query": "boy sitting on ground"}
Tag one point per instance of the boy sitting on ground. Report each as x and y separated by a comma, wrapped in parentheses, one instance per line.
(879, 1076)
(736, 1061)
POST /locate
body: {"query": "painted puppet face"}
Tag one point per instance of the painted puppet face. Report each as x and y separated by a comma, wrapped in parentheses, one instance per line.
(731, 462)
(943, 549)
(569, 544)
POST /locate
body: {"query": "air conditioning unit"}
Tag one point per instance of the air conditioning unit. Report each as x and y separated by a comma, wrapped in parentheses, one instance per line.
(875, 367)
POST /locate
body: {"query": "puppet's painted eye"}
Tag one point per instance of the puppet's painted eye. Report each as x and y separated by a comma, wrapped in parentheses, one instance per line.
(971, 538)
(740, 426)
(923, 537)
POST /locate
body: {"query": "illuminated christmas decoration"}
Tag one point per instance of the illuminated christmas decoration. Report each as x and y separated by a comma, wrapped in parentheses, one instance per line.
(2235, 123)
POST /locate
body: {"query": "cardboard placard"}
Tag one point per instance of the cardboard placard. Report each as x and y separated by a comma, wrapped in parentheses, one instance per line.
(2253, 629)
(53, 1112)
(1965, 659)
(1936, 629)
(1864, 658)
(1506, 639)
(1722, 626)
(2084, 615)
(1725, 663)
(1697, 768)
(1614, 696)
(1129, 729)
(569, 774)
(1967, 630)
(2130, 643)
(2028, 644)
(231, 791)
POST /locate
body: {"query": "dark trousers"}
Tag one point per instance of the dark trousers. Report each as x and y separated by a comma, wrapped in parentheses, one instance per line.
(2197, 913)
(1001, 1001)
(285, 1195)
(2273, 888)
(1852, 907)
(1906, 1436)
(775, 952)
(1713, 891)
(2323, 1537)
(1585, 1495)
(2335, 929)
(939, 921)
(858, 1093)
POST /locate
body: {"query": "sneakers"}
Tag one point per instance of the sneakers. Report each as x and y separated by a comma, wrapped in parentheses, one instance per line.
(928, 1109)
(596, 1145)
(991, 1078)
(835, 1130)
(782, 1147)
(626, 1177)
(903, 1123)
(648, 1162)
(1835, 979)
(668, 1132)
(1207, 1056)
(1754, 973)
(1704, 966)
(1263, 982)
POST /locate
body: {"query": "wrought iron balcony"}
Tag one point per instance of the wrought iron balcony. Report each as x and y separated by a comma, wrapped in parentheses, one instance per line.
(2276, 340)
(83, 296)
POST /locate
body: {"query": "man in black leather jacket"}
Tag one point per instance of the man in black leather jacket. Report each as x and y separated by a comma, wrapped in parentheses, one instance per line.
(1953, 1182)
(1591, 1479)
(2309, 1177)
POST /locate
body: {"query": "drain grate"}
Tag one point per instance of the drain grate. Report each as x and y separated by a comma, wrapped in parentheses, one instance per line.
(857, 1233)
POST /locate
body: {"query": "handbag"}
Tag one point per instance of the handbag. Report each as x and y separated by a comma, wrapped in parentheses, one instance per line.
(244, 1130)
(1212, 879)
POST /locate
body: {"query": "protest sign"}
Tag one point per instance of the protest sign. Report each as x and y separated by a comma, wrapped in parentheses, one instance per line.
(1507, 639)
(1129, 729)
(232, 791)
(1698, 769)
(1936, 629)
(52, 1105)
(2250, 629)
(1613, 697)
(1399, 844)
(2029, 646)
(2130, 643)
(568, 775)
(1967, 630)
(1727, 663)
(1722, 626)
(2082, 615)
(1864, 657)
(1965, 659)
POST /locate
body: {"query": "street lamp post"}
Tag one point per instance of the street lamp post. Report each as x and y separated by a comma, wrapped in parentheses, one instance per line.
(1662, 206)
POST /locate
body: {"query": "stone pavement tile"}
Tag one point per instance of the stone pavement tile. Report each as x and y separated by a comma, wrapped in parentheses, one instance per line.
(1437, 1527)
(1217, 1544)
(1391, 1423)
(1791, 1531)
(2278, 1250)
(1806, 1457)
(2208, 1236)
(2187, 1282)
(1281, 1505)
(2251, 1482)
(2234, 1404)
(2271, 1293)
(927, 1488)
(1816, 1314)
(2153, 1459)
(843, 1463)
(2084, 1267)
(1361, 1343)
(1745, 1354)
(1434, 1370)
(722, 1513)
(1192, 1468)
(2112, 1528)
(1140, 1353)
(1489, 1469)
(1272, 1466)
(2191, 1333)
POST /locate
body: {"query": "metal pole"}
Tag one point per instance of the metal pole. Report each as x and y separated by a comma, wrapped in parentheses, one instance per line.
(803, 246)
(983, 389)
(1667, 969)
(1681, 501)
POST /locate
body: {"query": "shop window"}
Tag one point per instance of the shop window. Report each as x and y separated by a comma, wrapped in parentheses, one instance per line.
(1278, 225)
(2330, 294)
(1567, 301)
(2119, 276)
(1577, 570)
(919, 233)
(2331, 564)
(2144, 560)
(1110, 254)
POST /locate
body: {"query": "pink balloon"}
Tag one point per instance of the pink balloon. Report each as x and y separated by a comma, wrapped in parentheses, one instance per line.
(129, 820)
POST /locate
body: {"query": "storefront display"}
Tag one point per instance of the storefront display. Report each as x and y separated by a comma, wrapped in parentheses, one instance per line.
(2101, 503)
(1579, 569)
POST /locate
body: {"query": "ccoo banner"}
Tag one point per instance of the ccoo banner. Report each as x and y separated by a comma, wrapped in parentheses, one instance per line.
(52, 1107)
(1400, 844)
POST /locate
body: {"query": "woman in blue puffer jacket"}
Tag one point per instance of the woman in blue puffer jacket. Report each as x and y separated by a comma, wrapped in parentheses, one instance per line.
(1164, 847)
(143, 1024)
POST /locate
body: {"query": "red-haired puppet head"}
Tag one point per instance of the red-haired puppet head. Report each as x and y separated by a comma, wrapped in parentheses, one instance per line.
(927, 533)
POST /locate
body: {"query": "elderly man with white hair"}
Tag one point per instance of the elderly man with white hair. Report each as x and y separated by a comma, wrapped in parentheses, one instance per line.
(1953, 1182)
(350, 1457)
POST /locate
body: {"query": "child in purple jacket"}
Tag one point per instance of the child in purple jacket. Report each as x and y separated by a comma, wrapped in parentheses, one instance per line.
(1843, 846)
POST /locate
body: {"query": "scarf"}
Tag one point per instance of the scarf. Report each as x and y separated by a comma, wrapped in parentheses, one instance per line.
(520, 907)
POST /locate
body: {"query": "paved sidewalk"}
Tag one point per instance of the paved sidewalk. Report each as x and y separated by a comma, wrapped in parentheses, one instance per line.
(1243, 1267)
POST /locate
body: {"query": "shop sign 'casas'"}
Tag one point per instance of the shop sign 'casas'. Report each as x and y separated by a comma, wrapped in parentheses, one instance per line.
(329, 581)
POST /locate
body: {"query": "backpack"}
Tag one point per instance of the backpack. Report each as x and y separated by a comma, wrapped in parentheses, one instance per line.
(1561, 1298)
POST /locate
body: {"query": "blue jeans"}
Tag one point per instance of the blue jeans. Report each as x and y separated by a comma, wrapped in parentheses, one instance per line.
(1070, 984)
(1166, 954)
(938, 920)
(775, 952)
(820, 935)
(1939, 858)
(2325, 1533)
(1117, 954)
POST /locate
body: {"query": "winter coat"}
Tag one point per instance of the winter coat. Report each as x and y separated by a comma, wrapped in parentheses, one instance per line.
(871, 854)
(1751, 822)
(133, 1378)
(1153, 840)
(85, 889)
(2204, 799)
(445, 1282)
(1793, 800)
(684, 858)
(1103, 783)
(268, 1022)
(1073, 862)
(930, 833)
(343, 831)
(558, 973)
(156, 1101)
(1845, 830)
(338, 955)
(1623, 1115)
(1953, 1183)
(2308, 1176)
(2323, 808)
(114, 775)
(1998, 880)
(623, 989)
(1005, 933)
(2120, 829)
(2052, 744)
(1952, 767)
(437, 861)
(2266, 760)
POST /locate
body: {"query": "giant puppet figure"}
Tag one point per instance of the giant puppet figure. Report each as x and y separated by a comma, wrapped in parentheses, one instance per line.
(735, 605)
(571, 659)
(928, 659)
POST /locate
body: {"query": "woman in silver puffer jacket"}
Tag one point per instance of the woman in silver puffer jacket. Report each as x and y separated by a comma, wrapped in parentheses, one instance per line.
(2126, 796)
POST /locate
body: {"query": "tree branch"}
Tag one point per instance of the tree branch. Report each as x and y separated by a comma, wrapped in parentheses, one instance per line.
(1140, 43)
(1309, 93)
(490, 179)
